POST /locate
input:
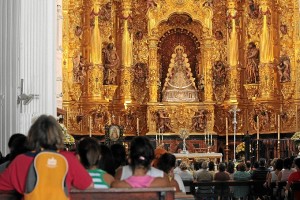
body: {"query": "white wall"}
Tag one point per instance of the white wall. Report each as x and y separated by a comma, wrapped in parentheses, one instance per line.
(28, 51)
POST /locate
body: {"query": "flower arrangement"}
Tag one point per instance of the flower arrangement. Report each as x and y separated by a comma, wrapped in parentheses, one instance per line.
(240, 147)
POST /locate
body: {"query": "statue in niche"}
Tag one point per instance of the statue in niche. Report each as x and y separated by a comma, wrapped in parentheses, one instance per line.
(284, 69)
(252, 63)
(111, 64)
(219, 73)
(140, 73)
(219, 35)
(163, 121)
(283, 29)
(79, 72)
(199, 120)
(253, 10)
(105, 12)
(179, 84)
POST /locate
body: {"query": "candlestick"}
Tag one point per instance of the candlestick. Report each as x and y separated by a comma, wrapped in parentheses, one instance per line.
(137, 125)
(205, 136)
(90, 124)
(156, 136)
(162, 137)
(211, 139)
(226, 131)
(119, 120)
(159, 135)
(278, 132)
(257, 126)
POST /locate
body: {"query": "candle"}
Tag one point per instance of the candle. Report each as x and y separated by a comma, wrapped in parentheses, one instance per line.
(211, 139)
(162, 136)
(226, 131)
(278, 132)
(159, 135)
(205, 136)
(137, 125)
(90, 126)
(156, 136)
(257, 126)
(119, 120)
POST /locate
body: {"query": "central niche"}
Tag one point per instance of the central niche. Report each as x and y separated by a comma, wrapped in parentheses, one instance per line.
(182, 86)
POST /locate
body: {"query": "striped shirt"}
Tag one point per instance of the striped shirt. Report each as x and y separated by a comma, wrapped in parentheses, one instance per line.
(97, 176)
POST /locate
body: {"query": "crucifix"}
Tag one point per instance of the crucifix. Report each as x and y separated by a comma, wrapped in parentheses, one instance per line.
(234, 110)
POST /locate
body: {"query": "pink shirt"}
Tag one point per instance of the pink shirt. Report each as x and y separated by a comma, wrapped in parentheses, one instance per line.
(139, 181)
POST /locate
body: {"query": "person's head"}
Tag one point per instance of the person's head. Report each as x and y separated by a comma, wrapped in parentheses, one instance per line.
(279, 164)
(287, 163)
(204, 165)
(157, 153)
(222, 167)
(211, 166)
(256, 165)
(183, 166)
(166, 162)
(13, 138)
(106, 162)
(119, 154)
(248, 164)
(297, 163)
(88, 150)
(45, 133)
(262, 162)
(197, 165)
(141, 153)
(230, 167)
(242, 167)
(18, 145)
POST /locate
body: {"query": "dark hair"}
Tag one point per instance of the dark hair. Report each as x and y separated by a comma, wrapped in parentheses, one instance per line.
(106, 162)
(13, 137)
(211, 166)
(262, 162)
(89, 151)
(279, 164)
(230, 167)
(248, 164)
(222, 167)
(45, 133)
(287, 163)
(141, 152)
(166, 162)
(18, 146)
(242, 167)
(297, 162)
(119, 154)
(256, 164)
(197, 165)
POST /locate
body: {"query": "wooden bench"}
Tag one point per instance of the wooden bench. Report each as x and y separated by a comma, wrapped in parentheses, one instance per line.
(112, 193)
(222, 187)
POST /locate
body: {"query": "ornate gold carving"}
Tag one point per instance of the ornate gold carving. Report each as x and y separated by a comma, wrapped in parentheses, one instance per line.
(109, 91)
(287, 89)
(252, 90)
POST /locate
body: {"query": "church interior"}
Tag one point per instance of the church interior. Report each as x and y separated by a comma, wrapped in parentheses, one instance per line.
(219, 70)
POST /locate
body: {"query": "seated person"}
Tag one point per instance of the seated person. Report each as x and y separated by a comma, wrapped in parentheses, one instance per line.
(294, 177)
(166, 163)
(140, 158)
(241, 175)
(89, 155)
(44, 134)
(204, 175)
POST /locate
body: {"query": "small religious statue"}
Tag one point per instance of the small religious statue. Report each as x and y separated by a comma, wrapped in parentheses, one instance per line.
(79, 72)
(284, 69)
(252, 64)
(140, 73)
(199, 120)
(105, 12)
(283, 29)
(78, 31)
(219, 35)
(253, 10)
(164, 121)
(111, 64)
(219, 73)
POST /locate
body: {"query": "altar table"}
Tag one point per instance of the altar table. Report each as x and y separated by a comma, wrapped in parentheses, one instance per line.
(204, 156)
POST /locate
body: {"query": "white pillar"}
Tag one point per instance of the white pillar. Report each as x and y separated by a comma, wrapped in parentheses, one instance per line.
(28, 44)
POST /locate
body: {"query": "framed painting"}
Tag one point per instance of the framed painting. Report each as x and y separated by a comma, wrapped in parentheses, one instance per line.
(113, 134)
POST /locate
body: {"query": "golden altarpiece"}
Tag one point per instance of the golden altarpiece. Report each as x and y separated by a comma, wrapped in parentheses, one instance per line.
(164, 65)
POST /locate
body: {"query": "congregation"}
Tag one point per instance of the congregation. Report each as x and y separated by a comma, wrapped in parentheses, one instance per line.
(95, 165)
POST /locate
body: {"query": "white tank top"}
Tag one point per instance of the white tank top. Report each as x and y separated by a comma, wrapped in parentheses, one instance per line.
(127, 172)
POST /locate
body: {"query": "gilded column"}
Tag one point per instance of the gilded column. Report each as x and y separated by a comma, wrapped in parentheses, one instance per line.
(153, 71)
(95, 71)
(233, 51)
(207, 56)
(266, 68)
(127, 58)
(297, 48)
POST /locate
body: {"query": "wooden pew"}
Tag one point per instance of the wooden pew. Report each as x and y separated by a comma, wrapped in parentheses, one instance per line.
(112, 193)
(221, 184)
